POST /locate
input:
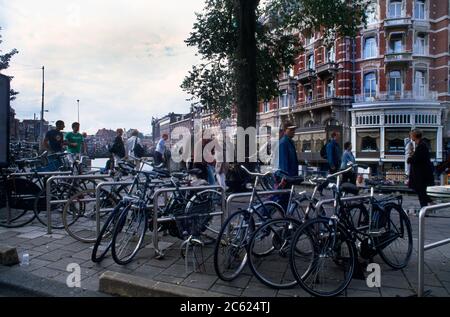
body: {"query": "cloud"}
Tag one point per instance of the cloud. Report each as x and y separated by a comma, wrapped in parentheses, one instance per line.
(124, 60)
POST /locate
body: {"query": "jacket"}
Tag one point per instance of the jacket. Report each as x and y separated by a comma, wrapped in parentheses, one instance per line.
(288, 161)
(421, 174)
(333, 154)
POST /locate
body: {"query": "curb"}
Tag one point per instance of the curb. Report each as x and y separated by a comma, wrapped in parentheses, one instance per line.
(32, 285)
(126, 285)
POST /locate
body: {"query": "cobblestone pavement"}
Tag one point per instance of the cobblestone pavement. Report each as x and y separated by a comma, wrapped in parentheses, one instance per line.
(50, 255)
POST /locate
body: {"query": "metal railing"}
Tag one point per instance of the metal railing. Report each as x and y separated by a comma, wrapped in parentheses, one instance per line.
(422, 247)
(48, 194)
(156, 220)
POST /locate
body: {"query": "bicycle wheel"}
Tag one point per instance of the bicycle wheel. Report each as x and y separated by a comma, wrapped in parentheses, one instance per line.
(266, 211)
(230, 254)
(80, 214)
(327, 266)
(128, 234)
(395, 244)
(104, 239)
(62, 193)
(19, 201)
(212, 201)
(273, 269)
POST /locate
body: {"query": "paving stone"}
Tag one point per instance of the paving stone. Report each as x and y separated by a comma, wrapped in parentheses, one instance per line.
(176, 270)
(241, 281)
(254, 291)
(75, 247)
(228, 290)
(201, 281)
(148, 271)
(168, 279)
(55, 255)
(31, 235)
(46, 272)
(359, 293)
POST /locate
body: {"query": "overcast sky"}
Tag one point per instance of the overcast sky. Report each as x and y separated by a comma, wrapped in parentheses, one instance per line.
(124, 60)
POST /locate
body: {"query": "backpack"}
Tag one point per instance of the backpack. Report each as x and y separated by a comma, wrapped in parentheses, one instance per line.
(323, 151)
(138, 150)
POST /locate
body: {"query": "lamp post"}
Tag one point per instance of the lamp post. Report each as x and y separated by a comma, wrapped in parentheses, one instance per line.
(78, 102)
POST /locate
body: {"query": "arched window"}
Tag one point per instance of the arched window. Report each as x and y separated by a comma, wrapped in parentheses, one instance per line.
(370, 85)
(370, 47)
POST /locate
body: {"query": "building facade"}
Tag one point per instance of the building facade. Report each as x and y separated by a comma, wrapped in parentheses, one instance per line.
(394, 76)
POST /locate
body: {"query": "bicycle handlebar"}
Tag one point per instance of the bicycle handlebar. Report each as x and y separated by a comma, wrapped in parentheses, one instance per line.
(255, 173)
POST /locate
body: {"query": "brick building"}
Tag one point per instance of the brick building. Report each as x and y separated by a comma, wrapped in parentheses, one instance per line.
(374, 88)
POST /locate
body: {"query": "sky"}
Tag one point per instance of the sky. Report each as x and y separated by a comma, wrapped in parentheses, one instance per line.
(124, 60)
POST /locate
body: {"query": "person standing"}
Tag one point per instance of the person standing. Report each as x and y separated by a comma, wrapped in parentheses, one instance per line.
(421, 174)
(333, 153)
(161, 150)
(132, 143)
(75, 142)
(118, 147)
(54, 139)
(348, 159)
(409, 151)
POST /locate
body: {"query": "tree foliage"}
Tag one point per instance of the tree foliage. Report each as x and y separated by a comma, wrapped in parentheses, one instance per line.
(4, 64)
(278, 24)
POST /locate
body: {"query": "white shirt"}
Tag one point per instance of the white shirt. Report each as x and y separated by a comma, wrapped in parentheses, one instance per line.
(161, 146)
(130, 145)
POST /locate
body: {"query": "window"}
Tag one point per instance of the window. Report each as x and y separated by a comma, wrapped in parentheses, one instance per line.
(309, 40)
(395, 82)
(266, 106)
(329, 55)
(306, 146)
(284, 99)
(395, 140)
(372, 14)
(421, 44)
(395, 9)
(330, 89)
(370, 85)
(396, 44)
(311, 64)
(309, 95)
(420, 83)
(370, 47)
(419, 10)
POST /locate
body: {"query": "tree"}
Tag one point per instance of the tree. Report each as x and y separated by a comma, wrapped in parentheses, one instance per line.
(246, 44)
(4, 64)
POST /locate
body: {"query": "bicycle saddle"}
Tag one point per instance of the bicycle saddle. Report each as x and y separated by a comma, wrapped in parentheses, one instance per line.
(349, 188)
(162, 171)
(294, 180)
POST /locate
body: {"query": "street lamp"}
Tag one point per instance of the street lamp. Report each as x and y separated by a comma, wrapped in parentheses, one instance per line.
(78, 101)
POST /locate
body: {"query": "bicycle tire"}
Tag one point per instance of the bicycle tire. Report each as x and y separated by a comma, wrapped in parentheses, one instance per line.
(304, 264)
(273, 269)
(225, 239)
(137, 213)
(405, 230)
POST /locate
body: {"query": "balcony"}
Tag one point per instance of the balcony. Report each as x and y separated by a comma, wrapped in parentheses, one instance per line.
(306, 76)
(287, 81)
(403, 22)
(398, 58)
(421, 25)
(403, 96)
(321, 103)
(325, 69)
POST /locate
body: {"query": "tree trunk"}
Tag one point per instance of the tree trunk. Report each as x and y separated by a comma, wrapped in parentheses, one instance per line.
(246, 78)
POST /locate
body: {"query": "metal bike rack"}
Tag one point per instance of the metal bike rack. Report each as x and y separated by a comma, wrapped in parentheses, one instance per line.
(345, 199)
(233, 197)
(422, 247)
(39, 174)
(48, 188)
(157, 220)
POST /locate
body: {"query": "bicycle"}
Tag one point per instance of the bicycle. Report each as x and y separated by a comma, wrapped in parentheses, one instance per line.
(333, 243)
(230, 249)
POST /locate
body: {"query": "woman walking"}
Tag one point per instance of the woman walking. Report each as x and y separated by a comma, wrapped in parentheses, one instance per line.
(348, 159)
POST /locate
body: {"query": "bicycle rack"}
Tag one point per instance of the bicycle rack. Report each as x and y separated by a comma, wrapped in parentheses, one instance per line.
(158, 253)
(422, 247)
(48, 188)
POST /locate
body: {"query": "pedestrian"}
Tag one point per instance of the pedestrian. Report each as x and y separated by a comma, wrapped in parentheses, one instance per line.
(333, 153)
(421, 173)
(161, 150)
(409, 151)
(118, 147)
(134, 148)
(348, 159)
(75, 142)
(54, 139)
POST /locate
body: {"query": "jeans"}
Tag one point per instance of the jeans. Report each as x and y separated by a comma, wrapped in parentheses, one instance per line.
(211, 179)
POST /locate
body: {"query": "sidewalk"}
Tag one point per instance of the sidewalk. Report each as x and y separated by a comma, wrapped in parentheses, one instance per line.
(50, 255)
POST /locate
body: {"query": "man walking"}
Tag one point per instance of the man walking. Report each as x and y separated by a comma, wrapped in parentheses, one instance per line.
(132, 144)
(333, 153)
(75, 141)
(118, 147)
(287, 159)
(161, 149)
